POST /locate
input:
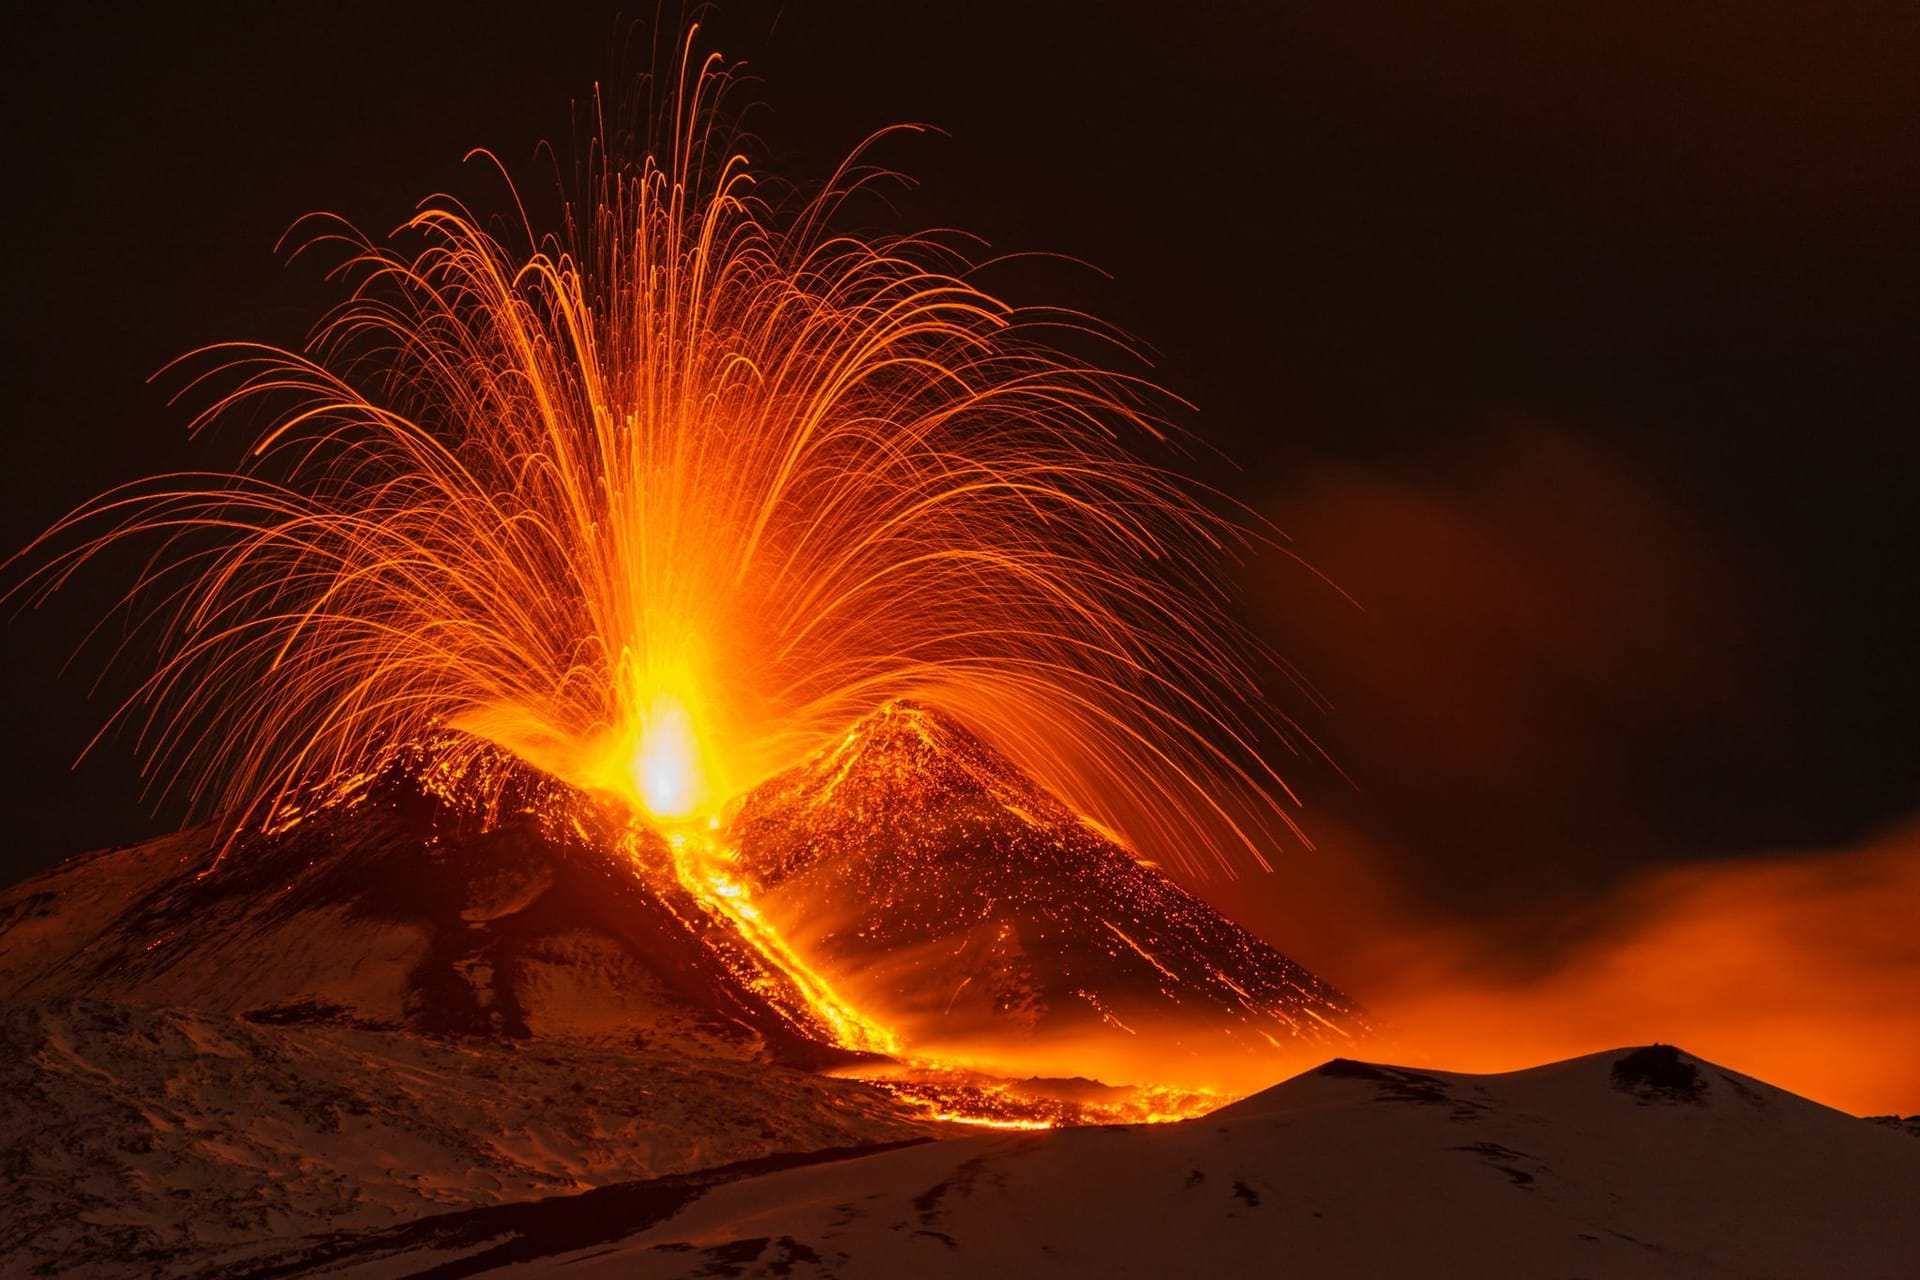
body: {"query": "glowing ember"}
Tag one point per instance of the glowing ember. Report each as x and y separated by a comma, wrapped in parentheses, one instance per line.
(958, 1095)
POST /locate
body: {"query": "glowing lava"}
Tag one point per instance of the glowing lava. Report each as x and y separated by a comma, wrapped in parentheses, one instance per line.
(666, 770)
(708, 870)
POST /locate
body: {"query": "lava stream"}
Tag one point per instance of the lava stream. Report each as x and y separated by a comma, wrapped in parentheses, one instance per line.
(706, 868)
(949, 1090)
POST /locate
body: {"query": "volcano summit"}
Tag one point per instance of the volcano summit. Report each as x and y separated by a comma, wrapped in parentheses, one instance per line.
(950, 894)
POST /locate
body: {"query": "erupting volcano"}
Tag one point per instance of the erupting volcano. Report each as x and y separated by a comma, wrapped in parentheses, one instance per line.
(664, 502)
(686, 695)
(793, 576)
(716, 731)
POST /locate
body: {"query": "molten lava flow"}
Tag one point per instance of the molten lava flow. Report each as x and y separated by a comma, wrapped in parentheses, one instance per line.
(958, 1094)
(705, 868)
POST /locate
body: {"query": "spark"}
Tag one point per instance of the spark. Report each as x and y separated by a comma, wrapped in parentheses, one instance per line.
(665, 500)
(1146, 955)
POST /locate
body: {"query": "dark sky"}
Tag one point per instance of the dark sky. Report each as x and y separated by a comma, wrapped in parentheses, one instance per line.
(1579, 348)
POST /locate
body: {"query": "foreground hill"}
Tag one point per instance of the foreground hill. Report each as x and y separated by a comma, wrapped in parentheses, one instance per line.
(138, 1141)
(1635, 1163)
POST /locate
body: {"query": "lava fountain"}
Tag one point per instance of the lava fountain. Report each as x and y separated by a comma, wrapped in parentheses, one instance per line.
(661, 502)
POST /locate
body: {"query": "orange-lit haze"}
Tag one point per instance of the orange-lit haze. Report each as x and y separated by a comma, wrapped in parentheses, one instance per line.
(1549, 649)
(1800, 970)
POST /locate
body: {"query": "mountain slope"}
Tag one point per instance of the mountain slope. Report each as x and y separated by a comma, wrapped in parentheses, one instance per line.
(393, 906)
(142, 1141)
(950, 895)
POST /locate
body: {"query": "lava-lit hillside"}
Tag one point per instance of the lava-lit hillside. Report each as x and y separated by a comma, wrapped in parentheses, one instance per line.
(391, 905)
(945, 891)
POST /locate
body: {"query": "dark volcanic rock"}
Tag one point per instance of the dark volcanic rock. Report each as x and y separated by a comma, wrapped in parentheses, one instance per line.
(1659, 1073)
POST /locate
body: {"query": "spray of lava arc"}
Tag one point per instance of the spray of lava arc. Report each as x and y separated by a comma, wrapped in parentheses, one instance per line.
(661, 503)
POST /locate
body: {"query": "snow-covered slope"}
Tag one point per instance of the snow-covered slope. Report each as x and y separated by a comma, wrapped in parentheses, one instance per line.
(1635, 1163)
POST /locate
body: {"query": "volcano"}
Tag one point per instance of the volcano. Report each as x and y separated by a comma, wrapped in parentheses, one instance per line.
(920, 871)
(402, 1034)
(394, 1001)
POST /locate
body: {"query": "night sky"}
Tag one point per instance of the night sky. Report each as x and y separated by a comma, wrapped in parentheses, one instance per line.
(1578, 349)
